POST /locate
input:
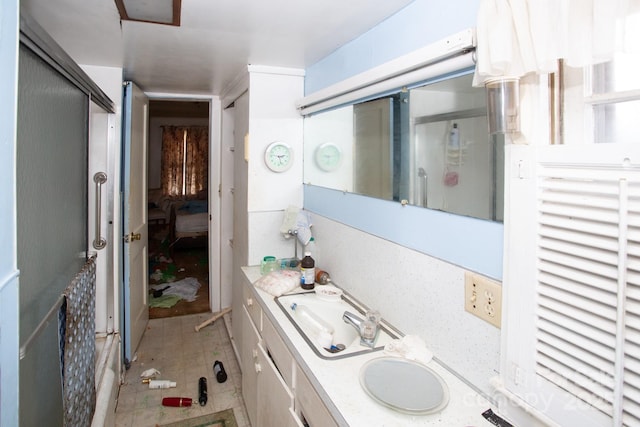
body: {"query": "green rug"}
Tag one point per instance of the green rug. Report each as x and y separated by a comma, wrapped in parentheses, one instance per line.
(219, 419)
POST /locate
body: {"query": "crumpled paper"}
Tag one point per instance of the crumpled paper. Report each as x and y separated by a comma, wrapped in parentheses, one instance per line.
(150, 373)
(410, 347)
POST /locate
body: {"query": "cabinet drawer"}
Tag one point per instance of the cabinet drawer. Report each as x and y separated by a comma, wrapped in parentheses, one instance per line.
(253, 307)
(308, 404)
(278, 351)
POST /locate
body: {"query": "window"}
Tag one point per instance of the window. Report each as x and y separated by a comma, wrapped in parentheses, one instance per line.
(573, 318)
(607, 95)
(185, 156)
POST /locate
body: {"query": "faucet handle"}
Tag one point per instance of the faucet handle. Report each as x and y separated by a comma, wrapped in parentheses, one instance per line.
(368, 330)
(374, 316)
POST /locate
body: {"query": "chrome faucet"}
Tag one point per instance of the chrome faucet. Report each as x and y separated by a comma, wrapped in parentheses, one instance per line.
(367, 328)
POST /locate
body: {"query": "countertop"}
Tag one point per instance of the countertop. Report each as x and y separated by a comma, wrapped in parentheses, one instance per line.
(337, 381)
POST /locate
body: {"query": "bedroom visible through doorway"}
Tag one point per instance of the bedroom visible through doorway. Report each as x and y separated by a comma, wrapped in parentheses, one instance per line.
(178, 210)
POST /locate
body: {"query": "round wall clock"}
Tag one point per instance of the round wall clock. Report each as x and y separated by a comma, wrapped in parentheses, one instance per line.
(328, 156)
(278, 156)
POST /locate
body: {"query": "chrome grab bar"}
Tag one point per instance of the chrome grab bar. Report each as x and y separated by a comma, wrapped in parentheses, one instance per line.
(424, 187)
(99, 178)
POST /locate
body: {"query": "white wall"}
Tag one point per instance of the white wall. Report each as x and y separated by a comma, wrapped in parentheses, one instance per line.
(272, 117)
(104, 156)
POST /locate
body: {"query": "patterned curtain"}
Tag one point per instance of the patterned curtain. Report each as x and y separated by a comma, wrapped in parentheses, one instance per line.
(184, 175)
(197, 160)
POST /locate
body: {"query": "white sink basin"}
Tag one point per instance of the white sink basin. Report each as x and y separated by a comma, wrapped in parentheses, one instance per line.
(344, 334)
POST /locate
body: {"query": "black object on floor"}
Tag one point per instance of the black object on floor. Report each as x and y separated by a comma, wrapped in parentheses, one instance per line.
(218, 369)
(202, 391)
(158, 292)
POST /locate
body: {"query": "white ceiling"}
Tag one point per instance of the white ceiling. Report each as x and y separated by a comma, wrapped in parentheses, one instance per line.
(216, 39)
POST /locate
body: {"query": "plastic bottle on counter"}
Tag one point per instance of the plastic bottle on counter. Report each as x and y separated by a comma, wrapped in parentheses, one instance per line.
(307, 271)
(312, 249)
(322, 277)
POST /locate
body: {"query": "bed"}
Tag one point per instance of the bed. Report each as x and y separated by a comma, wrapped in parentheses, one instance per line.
(189, 224)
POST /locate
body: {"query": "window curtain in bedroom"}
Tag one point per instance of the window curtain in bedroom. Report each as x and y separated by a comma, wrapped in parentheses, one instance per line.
(185, 158)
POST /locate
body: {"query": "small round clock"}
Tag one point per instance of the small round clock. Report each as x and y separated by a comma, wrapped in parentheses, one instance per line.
(328, 157)
(278, 156)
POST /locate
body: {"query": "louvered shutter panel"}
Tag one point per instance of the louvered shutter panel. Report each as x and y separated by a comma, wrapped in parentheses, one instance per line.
(588, 293)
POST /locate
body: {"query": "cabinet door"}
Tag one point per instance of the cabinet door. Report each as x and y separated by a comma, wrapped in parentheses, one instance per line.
(294, 421)
(274, 397)
(278, 351)
(250, 366)
(309, 406)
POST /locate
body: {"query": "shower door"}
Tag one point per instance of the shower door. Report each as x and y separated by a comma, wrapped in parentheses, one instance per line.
(51, 205)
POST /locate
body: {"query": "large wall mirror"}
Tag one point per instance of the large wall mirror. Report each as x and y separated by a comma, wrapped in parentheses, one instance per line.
(428, 146)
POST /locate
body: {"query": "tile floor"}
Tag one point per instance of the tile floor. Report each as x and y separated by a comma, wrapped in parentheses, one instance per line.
(173, 347)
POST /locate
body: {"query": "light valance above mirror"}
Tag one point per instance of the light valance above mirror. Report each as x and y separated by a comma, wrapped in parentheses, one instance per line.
(437, 59)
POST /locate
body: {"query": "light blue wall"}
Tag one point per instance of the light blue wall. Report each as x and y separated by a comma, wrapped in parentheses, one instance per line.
(470, 243)
(9, 297)
(417, 25)
(473, 244)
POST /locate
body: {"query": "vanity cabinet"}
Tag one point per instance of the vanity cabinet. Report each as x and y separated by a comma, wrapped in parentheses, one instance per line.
(267, 396)
(276, 391)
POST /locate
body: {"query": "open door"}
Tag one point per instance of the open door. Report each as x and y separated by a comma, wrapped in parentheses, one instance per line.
(135, 311)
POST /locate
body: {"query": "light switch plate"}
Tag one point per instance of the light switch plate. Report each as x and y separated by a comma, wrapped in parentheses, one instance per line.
(483, 298)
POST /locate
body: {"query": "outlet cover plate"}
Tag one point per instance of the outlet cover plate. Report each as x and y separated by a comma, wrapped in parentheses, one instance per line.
(483, 298)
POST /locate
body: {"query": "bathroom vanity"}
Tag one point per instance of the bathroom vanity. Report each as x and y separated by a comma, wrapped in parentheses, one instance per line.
(287, 383)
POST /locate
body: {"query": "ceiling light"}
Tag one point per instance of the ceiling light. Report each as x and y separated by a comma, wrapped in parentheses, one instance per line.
(152, 11)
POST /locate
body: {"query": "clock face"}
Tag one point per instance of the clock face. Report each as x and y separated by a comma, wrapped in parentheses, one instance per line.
(278, 156)
(328, 157)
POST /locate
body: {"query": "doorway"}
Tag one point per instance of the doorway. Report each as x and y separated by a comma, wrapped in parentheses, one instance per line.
(178, 208)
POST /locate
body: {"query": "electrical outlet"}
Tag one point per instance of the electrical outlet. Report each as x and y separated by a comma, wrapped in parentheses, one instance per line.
(483, 298)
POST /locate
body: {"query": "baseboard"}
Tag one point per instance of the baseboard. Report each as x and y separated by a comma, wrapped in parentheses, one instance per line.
(227, 324)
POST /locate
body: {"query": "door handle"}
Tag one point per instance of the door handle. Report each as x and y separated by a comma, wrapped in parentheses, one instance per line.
(132, 237)
(99, 178)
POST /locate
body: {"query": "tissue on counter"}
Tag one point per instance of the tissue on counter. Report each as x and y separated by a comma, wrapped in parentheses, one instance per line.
(279, 282)
(410, 347)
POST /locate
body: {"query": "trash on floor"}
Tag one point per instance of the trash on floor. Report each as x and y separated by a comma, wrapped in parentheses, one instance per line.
(150, 373)
(186, 288)
(165, 301)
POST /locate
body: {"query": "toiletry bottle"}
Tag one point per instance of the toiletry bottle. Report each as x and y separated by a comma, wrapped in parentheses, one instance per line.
(454, 137)
(176, 401)
(311, 247)
(322, 277)
(218, 370)
(307, 271)
(156, 384)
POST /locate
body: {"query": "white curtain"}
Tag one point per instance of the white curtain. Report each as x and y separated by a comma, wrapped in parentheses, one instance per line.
(517, 37)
